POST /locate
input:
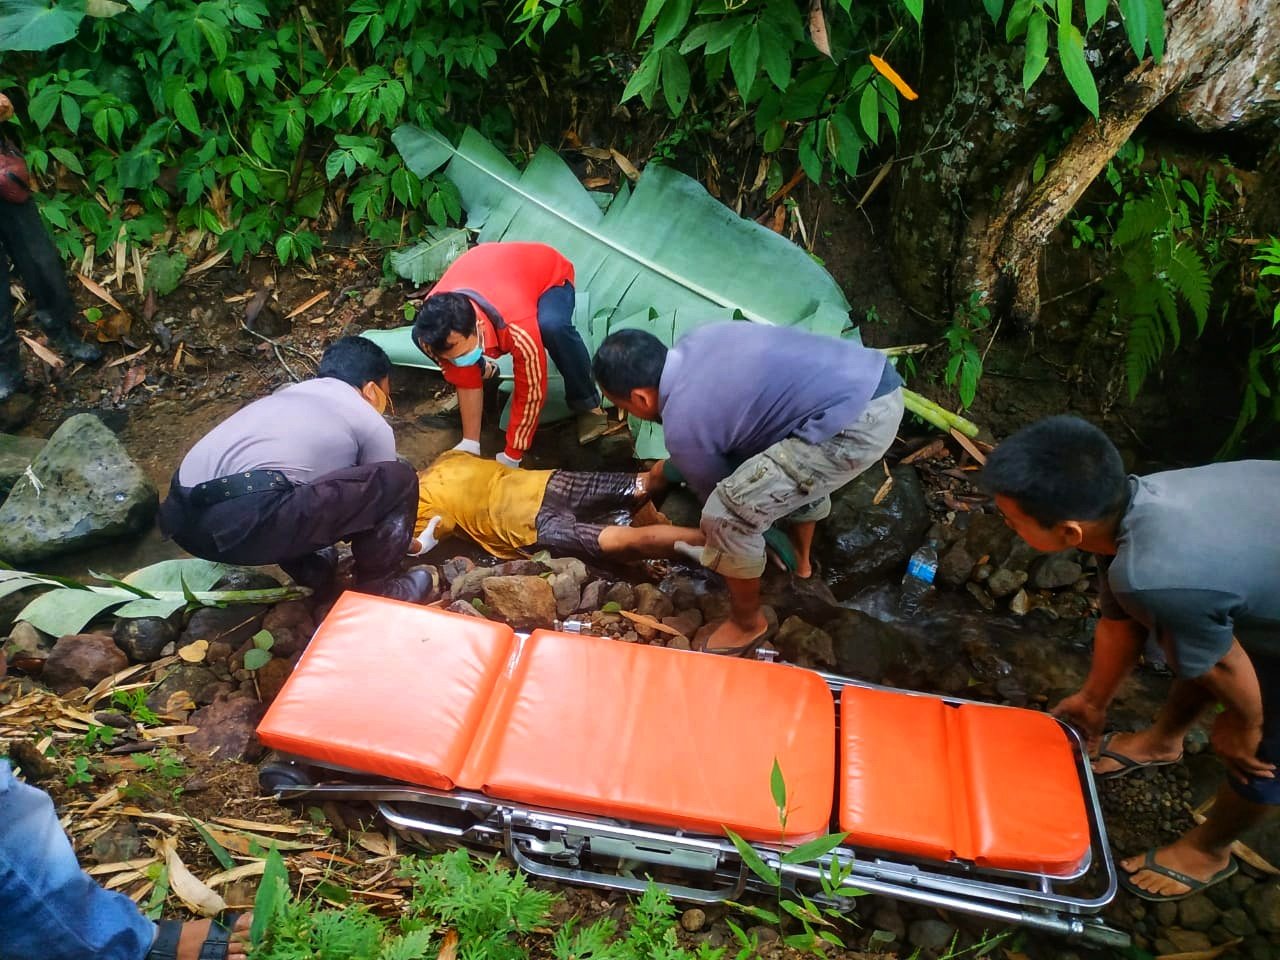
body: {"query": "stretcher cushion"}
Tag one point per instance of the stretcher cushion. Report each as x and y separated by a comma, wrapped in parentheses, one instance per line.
(659, 736)
(995, 786)
(390, 688)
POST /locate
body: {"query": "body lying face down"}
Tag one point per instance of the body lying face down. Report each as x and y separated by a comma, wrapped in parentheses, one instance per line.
(512, 513)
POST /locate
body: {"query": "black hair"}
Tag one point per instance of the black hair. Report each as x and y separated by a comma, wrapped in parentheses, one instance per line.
(440, 315)
(354, 360)
(629, 360)
(1058, 469)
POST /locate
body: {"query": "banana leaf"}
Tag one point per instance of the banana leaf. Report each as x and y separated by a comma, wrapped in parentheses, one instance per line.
(666, 257)
(158, 590)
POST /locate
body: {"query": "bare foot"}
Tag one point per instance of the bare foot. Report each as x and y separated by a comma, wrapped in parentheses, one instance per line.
(194, 933)
(1142, 747)
(1180, 856)
(732, 636)
(803, 570)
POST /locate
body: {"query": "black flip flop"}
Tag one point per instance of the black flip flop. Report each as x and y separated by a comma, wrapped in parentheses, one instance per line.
(1193, 885)
(745, 650)
(1127, 764)
(215, 946)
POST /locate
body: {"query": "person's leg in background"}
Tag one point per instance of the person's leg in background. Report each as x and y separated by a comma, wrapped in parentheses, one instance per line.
(36, 260)
(567, 351)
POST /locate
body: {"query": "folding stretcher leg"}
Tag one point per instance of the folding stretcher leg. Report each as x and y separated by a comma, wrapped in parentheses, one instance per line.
(595, 762)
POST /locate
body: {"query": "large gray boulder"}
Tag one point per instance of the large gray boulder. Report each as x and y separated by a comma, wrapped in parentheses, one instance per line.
(87, 491)
(862, 541)
(16, 454)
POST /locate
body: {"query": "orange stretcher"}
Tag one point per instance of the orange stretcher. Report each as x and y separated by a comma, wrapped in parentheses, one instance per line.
(577, 754)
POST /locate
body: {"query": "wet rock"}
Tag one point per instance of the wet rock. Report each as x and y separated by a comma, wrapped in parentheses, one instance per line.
(865, 647)
(454, 568)
(234, 624)
(27, 648)
(889, 919)
(1197, 913)
(622, 594)
(1021, 603)
(979, 593)
(1005, 581)
(226, 728)
(1262, 900)
(143, 639)
(464, 608)
(218, 652)
(982, 573)
(683, 592)
(956, 566)
(682, 508)
(184, 687)
(518, 568)
(16, 454)
(763, 935)
(524, 602)
(1237, 922)
(861, 541)
(988, 536)
(290, 625)
(680, 643)
(271, 677)
(567, 577)
(805, 645)
(1071, 606)
(470, 585)
(120, 842)
(1186, 941)
(1021, 555)
(932, 937)
(687, 622)
(1055, 571)
(87, 490)
(81, 660)
(714, 605)
(593, 595)
(693, 920)
(810, 599)
(246, 578)
(652, 602)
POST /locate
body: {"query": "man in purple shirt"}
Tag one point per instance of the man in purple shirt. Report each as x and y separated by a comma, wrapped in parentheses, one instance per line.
(290, 475)
(764, 423)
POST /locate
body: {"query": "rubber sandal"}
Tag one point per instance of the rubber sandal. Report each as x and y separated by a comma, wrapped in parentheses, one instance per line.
(745, 650)
(216, 943)
(1193, 885)
(1127, 764)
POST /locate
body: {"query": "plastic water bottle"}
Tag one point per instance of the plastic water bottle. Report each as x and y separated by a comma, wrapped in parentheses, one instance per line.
(918, 581)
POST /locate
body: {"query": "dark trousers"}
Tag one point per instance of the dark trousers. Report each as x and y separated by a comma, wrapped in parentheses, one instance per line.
(565, 347)
(26, 244)
(373, 506)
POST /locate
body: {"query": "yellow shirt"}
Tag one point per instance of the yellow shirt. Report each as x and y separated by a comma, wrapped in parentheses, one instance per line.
(496, 506)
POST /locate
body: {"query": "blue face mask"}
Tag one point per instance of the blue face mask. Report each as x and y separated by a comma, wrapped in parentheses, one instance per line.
(470, 358)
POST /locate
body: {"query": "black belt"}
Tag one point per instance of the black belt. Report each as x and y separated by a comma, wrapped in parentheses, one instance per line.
(237, 485)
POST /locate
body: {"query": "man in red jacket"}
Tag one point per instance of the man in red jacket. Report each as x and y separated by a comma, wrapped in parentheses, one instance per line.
(514, 298)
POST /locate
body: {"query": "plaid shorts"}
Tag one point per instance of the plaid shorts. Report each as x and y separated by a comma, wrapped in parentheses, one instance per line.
(791, 481)
(572, 499)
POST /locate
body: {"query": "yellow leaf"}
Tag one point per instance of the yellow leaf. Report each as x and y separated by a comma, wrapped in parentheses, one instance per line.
(891, 75)
(194, 652)
(188, 887)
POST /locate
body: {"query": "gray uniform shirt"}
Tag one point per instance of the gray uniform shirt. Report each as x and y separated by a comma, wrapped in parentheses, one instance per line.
(1199, 560)
(305, 431)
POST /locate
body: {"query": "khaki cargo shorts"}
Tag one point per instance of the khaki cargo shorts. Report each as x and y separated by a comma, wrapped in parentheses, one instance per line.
(791, 481)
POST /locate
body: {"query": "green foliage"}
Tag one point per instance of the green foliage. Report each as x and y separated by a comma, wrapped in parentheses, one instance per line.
(1073, 20)
(964, 367)
(1164, 250)
(238, 118)
(487, 911)
(1262, 365)
(164, 272)
(134, 704)
(257, 657)
(80, 772)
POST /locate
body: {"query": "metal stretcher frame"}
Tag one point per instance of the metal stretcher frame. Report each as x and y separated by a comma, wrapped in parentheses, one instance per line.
(560, 845)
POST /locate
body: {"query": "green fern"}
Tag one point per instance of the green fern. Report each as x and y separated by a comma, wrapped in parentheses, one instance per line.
(411, 946)
(1187, 274)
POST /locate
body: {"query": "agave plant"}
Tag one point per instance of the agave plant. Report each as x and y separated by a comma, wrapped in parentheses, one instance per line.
(665, 256)
(158, 590)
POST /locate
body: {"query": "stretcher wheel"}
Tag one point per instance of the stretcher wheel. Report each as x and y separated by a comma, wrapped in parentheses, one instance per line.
(276, 776)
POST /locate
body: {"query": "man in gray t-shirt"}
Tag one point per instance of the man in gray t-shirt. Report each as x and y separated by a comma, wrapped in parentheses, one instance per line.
(284, 479)
(1196, 562)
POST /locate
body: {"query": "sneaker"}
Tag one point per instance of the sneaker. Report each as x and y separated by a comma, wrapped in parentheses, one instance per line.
(591, 426)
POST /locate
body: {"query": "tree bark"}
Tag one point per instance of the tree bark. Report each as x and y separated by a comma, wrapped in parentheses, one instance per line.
(1220, 70)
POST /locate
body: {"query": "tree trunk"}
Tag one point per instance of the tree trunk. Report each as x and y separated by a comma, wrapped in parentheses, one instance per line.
(1220, 70)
